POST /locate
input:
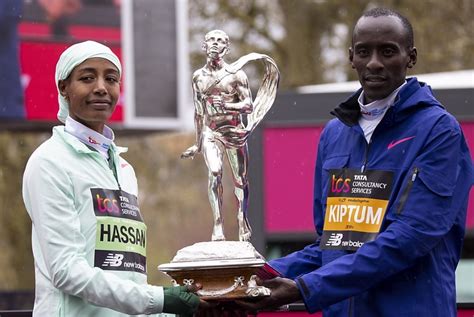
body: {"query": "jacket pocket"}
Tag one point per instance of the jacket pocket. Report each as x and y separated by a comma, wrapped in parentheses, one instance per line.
(338, 162)
(435, 182)
(441, 185)
(406, 191)
(332, 163)
(335, 162)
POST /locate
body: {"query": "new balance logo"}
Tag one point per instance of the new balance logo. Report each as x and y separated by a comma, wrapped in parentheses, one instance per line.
(113, 260)
(334, 240)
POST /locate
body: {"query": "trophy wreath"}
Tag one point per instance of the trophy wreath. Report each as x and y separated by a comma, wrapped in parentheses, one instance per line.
(225, 116)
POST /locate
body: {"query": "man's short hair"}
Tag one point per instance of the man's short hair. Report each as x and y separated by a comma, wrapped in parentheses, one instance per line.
(217, 31)
(378, 12)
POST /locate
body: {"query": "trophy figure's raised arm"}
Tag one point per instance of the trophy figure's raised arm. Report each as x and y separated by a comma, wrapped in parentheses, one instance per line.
(225, 116)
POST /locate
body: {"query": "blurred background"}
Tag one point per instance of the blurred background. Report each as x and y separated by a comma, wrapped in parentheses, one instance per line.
(159, 42)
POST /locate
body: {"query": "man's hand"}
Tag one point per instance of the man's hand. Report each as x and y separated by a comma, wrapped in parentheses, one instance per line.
(190, 152)
(284, 291)
(182, 300)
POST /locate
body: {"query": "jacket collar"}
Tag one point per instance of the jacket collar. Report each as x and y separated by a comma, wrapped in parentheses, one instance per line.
(80, 147)
(348, 111)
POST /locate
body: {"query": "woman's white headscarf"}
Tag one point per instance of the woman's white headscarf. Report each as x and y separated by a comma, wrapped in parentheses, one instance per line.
(73, 56)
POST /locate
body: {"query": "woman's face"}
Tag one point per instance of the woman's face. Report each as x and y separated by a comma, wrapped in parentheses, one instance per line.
(92, 91)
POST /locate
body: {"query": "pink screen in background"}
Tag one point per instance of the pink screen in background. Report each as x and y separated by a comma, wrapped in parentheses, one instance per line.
(461, 313)
(38, 64)
(468, 130)
(289, 156)
(288, 314)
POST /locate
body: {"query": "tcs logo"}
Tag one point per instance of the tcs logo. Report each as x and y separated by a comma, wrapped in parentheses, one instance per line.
(340, 184)
(107, 205)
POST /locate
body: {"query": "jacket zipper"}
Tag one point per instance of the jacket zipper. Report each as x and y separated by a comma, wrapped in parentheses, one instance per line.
(113, 167)
(351, 300)
(366, 156)
(406, 192)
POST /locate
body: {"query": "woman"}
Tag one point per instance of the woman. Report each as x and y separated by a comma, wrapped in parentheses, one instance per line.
(88, 236)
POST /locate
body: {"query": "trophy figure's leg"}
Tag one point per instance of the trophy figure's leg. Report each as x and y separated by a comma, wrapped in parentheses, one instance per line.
(238, 161)
(213, 158)
(215, 198)
(245, 231)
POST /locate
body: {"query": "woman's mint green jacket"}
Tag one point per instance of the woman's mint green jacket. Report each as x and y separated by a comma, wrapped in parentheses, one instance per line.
(61, 182)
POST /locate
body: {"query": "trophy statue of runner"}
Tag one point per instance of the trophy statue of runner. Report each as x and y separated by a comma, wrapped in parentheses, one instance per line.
(225, 116)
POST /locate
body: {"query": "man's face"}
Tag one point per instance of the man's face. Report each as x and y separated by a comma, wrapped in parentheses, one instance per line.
(216, 44)
(92, 91)
(380, 55)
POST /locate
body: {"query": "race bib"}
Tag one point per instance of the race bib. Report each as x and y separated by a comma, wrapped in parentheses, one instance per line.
(121, 232)
(356, 206)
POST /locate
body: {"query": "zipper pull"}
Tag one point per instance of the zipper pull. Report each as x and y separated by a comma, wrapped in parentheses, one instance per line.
(366, 155)
(415, 173)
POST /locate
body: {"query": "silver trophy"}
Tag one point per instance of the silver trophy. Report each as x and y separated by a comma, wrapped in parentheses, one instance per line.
(225, 116)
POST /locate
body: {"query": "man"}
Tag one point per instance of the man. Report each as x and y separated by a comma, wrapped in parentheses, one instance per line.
(392, 179)
(222, 100)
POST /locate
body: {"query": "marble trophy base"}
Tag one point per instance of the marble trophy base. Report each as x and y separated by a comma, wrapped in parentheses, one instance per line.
(225, 269)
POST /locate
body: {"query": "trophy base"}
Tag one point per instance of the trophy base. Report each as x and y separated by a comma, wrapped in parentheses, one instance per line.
(226, 270)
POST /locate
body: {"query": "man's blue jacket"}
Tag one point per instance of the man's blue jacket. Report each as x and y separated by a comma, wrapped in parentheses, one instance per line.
(408, 269)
